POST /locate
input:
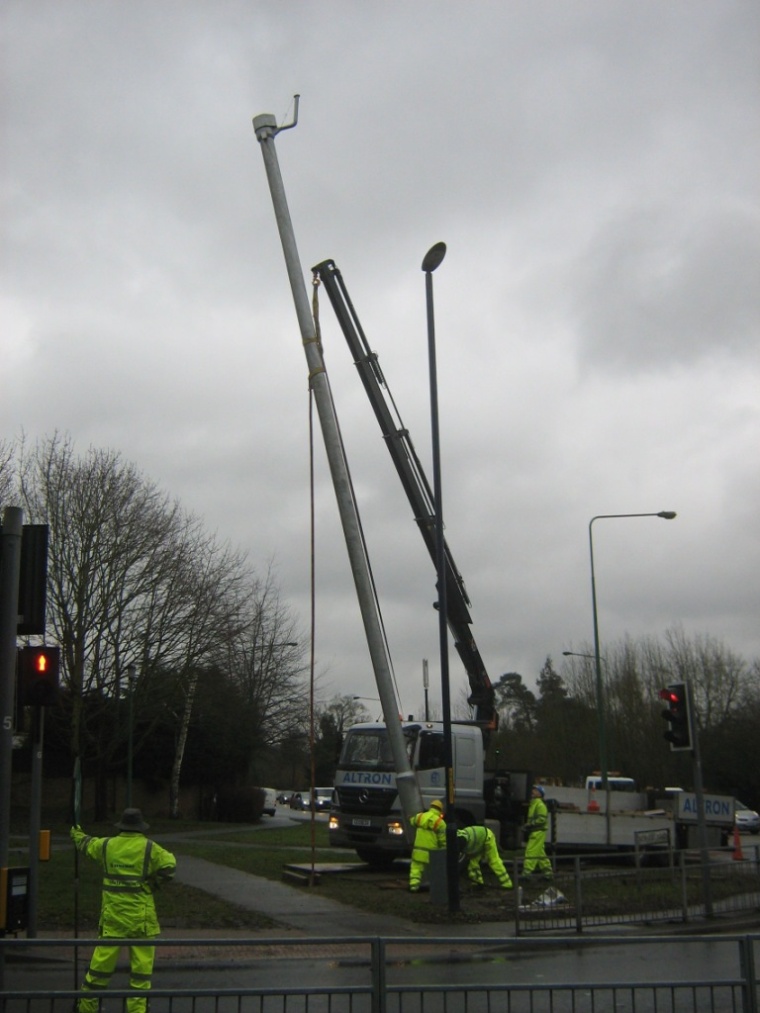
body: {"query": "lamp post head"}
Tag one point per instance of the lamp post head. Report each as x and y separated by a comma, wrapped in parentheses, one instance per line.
(667, 515)
(433, 257)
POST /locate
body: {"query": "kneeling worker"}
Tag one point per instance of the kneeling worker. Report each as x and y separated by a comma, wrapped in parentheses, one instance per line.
(430, 835)
(479, 846)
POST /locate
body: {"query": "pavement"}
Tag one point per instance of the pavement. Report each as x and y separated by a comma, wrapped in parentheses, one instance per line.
(309, 912)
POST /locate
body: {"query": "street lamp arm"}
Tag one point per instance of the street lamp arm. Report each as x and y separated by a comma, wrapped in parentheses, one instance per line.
(667, 515)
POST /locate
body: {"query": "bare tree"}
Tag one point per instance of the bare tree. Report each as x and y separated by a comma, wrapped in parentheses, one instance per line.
(7, 476)
(210, 601)
(716, 673)
(131, 580)
(264, 655)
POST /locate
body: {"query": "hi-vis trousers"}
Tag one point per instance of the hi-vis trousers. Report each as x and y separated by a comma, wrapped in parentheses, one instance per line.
(102, 966)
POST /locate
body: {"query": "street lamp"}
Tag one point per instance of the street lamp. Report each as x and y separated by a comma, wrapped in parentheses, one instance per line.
(432, 260)
(131, 674)
(667, 515)
(576, 654)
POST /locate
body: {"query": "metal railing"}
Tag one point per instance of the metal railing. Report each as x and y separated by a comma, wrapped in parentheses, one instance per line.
(586, 894)
(635, 974)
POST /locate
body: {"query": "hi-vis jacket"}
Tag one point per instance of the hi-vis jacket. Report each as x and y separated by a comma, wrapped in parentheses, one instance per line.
(133, 868)
(430, 834)
(538, 816)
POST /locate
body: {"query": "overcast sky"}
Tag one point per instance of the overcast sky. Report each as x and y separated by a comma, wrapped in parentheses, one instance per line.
(593, 170)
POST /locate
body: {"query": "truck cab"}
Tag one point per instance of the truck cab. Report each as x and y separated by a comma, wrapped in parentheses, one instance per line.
(366, 812)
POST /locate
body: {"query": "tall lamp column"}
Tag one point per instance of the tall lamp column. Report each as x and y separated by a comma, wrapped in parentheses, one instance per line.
(431, 261)
(667, 515)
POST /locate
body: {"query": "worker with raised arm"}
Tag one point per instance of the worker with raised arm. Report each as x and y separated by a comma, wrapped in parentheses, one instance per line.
(430, 835)
(133, 868)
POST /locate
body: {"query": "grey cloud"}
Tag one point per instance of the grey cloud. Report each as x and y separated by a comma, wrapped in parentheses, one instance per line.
(667, 285)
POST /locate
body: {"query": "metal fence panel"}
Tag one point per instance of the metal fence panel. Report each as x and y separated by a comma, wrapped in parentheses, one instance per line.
(586, 894)
(691, 974)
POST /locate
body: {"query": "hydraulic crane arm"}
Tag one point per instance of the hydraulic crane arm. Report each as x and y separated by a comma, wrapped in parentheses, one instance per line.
(417, 488)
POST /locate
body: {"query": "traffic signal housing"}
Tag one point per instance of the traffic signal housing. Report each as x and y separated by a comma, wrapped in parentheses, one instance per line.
(39, 669)
(678, 715)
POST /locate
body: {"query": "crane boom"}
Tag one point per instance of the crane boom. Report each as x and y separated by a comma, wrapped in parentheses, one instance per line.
(417, 488)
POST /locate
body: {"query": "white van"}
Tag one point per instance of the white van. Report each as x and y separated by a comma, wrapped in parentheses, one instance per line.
(615, 782)
(270, 801)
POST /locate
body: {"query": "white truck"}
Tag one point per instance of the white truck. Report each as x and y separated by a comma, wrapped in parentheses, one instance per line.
(366, 812)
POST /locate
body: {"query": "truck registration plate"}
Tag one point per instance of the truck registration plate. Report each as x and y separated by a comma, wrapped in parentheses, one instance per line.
(361, 823)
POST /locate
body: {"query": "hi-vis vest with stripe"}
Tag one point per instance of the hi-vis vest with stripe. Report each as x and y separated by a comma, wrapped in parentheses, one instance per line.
(133, 868)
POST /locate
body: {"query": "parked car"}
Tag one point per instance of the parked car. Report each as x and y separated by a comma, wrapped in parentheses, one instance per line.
(284, 797)
(746, 819)
(296, 799)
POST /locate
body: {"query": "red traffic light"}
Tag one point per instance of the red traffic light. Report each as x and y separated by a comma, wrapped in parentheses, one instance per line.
(41, 662)
(38, 675)
(678, 715)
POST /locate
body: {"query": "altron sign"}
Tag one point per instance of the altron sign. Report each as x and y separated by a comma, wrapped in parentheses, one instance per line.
(718, 808)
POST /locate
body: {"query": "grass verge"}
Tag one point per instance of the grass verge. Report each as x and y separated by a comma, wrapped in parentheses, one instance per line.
(67, 899)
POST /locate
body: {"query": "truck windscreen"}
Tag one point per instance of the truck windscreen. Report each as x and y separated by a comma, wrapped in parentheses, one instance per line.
(369, 749)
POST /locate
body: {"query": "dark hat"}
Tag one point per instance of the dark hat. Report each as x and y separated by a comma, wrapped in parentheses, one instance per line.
(132, 819)
(539, 789)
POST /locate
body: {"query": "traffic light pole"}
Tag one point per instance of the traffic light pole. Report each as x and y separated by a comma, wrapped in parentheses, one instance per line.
(699, 792)
(35, 820)
(10, 566)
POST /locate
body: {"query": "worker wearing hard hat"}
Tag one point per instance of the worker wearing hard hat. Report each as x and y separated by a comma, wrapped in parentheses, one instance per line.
(478, 844)
(430, 835)
(133, 868)
(535, 831)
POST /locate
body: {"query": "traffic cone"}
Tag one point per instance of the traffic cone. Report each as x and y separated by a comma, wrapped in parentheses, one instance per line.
(738, 854)
(593, 805)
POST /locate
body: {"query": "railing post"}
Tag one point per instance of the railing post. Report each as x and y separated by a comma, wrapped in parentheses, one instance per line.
(684, 888)
(377, 964)
(747, 966)
(578, 895)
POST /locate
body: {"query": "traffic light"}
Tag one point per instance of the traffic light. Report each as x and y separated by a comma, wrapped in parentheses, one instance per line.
(38, 675)
(678, 714)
